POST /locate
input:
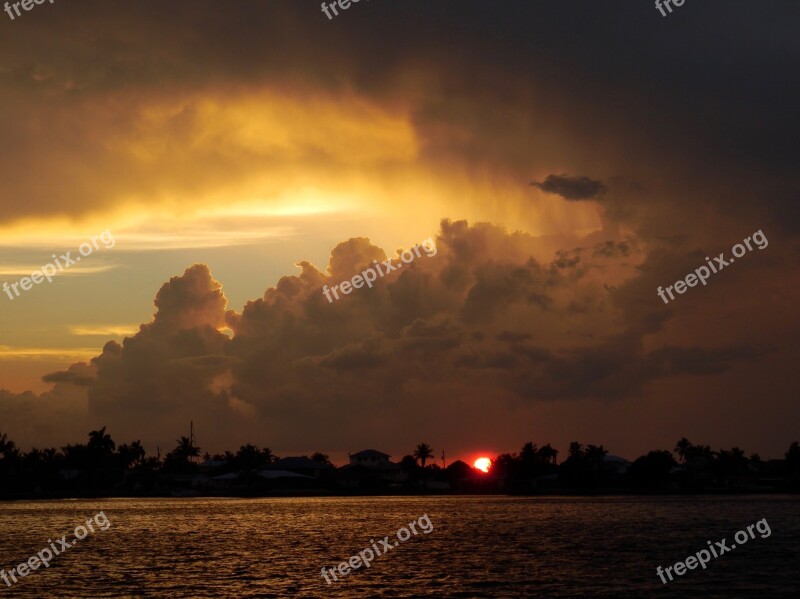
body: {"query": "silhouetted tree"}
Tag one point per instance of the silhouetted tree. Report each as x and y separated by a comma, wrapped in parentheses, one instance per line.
(250, 458)
(6, 444)
(318, 456)
(548, 454)
(653, 469)
(101, 443)
(102, 467)
(583, 467)
(504, 465)
(423, 453)
(130, 455)
(411, 468)
(682, 448)
(529, 452)
(460, 470)
(186, 449)
(179, 459)
(518, 472)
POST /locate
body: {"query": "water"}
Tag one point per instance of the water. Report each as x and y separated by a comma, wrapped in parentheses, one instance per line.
(479, 547)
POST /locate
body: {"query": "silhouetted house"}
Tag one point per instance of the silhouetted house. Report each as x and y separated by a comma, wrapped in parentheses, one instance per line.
(370, 468)
(302, 465)
(368, 457)
(224, 481)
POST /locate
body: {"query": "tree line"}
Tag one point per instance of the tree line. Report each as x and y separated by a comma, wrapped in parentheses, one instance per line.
(100, 466)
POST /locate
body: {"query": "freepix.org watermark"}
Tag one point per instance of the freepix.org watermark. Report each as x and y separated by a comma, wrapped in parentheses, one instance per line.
(666, 3)
(48, 271)
(370, 275)
(26, 5)
(703, 273)
(343, 4)
(365, 556)
(45, 556)
(703, 556)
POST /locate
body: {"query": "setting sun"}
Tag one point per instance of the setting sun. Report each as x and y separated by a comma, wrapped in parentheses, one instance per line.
(483, 464)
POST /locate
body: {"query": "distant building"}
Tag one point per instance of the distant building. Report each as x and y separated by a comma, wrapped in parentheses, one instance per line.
(370, 467)
(368, 457)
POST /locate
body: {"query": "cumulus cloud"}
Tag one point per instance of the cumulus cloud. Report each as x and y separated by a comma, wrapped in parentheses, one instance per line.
(480, 318)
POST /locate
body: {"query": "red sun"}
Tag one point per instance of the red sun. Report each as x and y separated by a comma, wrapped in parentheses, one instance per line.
(482, 464)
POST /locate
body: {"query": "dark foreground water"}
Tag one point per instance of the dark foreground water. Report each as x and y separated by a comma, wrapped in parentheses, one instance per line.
(479, 547)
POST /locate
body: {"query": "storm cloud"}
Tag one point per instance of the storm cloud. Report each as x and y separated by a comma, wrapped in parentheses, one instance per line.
(293, 361)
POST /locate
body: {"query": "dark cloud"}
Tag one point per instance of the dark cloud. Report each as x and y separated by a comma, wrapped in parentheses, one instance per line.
(571, 188)
(511, 92)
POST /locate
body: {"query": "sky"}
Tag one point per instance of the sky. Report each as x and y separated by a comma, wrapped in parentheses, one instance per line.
(567, 159)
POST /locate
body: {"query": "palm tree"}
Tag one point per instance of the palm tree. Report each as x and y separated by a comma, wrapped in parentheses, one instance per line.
(683, 448)
(423, 452)
(5, 444)
(131, 455)
(101, 442)
(186, 449)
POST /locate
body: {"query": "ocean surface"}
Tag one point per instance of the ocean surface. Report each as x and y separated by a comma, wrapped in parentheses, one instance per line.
(487, 546)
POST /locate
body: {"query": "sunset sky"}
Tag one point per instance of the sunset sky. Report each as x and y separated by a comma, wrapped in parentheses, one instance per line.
(567, 158)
